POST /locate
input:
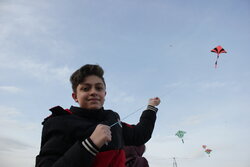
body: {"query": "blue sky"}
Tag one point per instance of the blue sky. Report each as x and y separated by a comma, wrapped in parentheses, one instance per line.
(147, 48)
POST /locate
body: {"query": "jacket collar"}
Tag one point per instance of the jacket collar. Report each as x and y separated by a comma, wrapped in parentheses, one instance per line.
(88, 113)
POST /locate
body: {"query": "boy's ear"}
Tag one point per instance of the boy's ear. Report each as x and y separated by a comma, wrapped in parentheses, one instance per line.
(74, 97)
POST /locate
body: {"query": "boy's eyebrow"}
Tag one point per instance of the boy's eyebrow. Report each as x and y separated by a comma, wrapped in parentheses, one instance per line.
(99, 83)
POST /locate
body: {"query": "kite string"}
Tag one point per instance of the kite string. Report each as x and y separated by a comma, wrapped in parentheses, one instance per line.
(127, 116)
(139, 109)
(162, 96)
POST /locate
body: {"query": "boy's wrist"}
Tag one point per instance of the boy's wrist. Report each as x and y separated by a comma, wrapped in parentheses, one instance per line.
(90, 146)
(152, 108)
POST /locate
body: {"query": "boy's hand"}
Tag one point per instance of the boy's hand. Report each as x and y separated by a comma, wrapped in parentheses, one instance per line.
(101, 135)
(154, 101)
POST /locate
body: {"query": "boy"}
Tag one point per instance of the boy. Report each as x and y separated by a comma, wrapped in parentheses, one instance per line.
(82, 136)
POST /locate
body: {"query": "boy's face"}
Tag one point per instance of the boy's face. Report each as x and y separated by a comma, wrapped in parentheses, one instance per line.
(90, 94)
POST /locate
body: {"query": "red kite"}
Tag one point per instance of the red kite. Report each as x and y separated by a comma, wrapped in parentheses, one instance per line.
(208, 151)
(218, 50)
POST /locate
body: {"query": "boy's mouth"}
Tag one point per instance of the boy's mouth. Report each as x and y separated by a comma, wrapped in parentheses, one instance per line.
(93, 100)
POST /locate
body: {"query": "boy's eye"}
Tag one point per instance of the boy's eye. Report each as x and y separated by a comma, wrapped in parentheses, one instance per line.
(99, 88)
(85, 89)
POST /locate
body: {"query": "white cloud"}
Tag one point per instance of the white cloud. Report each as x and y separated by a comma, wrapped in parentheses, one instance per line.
(213, 85)
(174, 84)
(10, 144)
(13, 122)
(27, 22)
(117, 95)
(8, 112)
(23, 158)
(44, 71)
(121, 97)
(196, 120)
(20, 17)
(18, 138)
(11, 89)
(193, 120)
(203, 85)
(41, 71)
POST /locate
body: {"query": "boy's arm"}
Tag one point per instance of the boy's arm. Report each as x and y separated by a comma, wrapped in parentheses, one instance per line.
(57, 152)
(139, 134)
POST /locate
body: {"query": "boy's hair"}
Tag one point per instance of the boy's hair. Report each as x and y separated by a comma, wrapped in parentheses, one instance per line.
(89, 69)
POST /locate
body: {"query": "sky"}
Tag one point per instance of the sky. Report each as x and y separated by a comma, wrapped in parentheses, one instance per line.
(147, 48)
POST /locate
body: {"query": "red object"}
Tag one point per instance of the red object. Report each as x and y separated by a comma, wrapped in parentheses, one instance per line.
(115, 157)
(218, 50)
(208, 151)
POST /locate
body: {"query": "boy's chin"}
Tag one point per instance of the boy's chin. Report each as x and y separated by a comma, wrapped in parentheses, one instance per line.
(94, 107)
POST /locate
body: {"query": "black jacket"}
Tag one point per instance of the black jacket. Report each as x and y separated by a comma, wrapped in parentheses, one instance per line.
(65, 136)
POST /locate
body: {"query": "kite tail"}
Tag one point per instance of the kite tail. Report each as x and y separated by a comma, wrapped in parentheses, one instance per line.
(216, 62)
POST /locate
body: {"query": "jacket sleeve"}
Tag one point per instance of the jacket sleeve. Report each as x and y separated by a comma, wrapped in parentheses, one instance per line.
(139, 134)
(57, 151)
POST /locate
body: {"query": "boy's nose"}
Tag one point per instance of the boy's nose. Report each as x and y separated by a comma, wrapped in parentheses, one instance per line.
(93, 91)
